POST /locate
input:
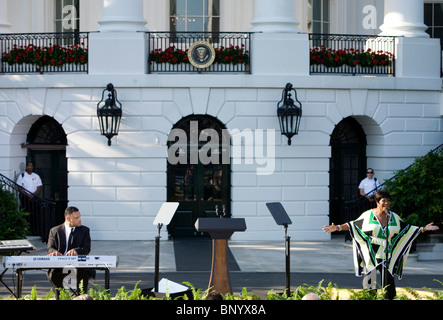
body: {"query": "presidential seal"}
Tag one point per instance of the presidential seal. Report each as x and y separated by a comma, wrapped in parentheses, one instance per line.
(201, 54)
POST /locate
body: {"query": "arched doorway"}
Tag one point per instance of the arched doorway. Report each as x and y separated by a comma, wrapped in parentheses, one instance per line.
(198, 172)
(347, 166)
(46, 143)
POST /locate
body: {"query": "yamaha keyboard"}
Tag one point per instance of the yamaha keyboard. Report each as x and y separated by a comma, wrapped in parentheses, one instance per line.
(23, 263)
(15, 246)
(44, 262)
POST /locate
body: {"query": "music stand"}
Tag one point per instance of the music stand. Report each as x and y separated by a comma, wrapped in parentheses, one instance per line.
(164, 217)
(282, 219)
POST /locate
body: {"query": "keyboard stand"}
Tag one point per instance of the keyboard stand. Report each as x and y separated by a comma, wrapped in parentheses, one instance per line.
(20, 278)
(16, 247)
(4, 284)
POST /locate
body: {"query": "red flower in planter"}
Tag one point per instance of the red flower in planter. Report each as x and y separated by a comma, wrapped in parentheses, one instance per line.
(350, 57)
(232, 55)
(43, 56)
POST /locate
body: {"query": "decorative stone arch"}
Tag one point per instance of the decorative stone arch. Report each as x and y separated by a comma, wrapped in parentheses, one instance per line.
(45, 145)
(17, 137)
(347, 166)
(200, 188)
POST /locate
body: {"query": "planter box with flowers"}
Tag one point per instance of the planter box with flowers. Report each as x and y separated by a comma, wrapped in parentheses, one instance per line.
(172, 59)
(55, 58)
(352, 61)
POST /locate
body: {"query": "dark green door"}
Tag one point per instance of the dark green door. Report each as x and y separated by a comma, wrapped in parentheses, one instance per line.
(347, 166)
(200, 188)
(46, 143)
(51, 166)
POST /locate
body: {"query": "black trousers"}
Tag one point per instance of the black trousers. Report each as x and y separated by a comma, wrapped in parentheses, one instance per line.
(369, 282)
(69, 279)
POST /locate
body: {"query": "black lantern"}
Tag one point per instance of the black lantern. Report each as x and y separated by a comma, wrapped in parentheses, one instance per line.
(109, 113)
(289, 113)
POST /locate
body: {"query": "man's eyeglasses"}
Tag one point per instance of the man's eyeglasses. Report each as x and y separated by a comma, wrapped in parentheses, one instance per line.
(371, 172)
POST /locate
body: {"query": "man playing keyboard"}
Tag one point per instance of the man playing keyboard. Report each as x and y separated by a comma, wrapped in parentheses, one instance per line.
(69, 239)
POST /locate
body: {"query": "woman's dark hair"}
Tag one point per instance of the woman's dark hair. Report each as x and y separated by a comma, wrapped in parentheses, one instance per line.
(380, 194)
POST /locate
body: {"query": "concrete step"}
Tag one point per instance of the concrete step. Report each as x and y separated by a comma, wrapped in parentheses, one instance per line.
(430, 251)
(36, 241)
(435, 238)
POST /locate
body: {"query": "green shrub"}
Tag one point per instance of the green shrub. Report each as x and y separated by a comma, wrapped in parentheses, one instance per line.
(331, 292)
(370, 294)
(417, 191)
(13, 224)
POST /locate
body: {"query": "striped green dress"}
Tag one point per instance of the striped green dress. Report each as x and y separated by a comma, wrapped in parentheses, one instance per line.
(374, 245)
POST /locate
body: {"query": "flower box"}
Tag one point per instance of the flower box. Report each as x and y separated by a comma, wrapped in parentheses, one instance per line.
(230, 59)
(187, 67)
(344, 69)
(351, 61)
(54, 58)
(33, 68)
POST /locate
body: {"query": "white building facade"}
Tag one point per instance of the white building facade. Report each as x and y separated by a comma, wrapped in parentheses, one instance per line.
(349, 122)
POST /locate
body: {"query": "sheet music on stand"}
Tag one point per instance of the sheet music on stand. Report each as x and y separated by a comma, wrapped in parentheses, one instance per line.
(165, 214)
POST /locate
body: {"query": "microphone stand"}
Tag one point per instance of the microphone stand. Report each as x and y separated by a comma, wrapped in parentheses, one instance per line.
(385, 258)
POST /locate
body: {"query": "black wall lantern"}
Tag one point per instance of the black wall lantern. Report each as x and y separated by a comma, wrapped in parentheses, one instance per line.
(289, 113)
(109, 113)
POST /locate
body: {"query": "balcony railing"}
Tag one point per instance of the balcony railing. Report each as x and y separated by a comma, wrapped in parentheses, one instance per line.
(168, 51)
(352, 54)
(44, 52)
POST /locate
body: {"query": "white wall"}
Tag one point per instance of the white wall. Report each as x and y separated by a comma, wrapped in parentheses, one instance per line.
(121, 187)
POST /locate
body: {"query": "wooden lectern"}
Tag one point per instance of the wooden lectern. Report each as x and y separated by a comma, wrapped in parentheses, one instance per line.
(220, 231)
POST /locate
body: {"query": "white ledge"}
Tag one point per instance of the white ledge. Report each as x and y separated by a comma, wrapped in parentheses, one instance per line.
(217, 80)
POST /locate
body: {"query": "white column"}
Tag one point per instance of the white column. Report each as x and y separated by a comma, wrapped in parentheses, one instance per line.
(4, 24)
(277, 42)
(404, 18)
(122, 15)
(274, 16)
(119, 48)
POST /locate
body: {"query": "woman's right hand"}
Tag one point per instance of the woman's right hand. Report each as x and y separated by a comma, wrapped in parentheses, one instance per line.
(330, 229)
